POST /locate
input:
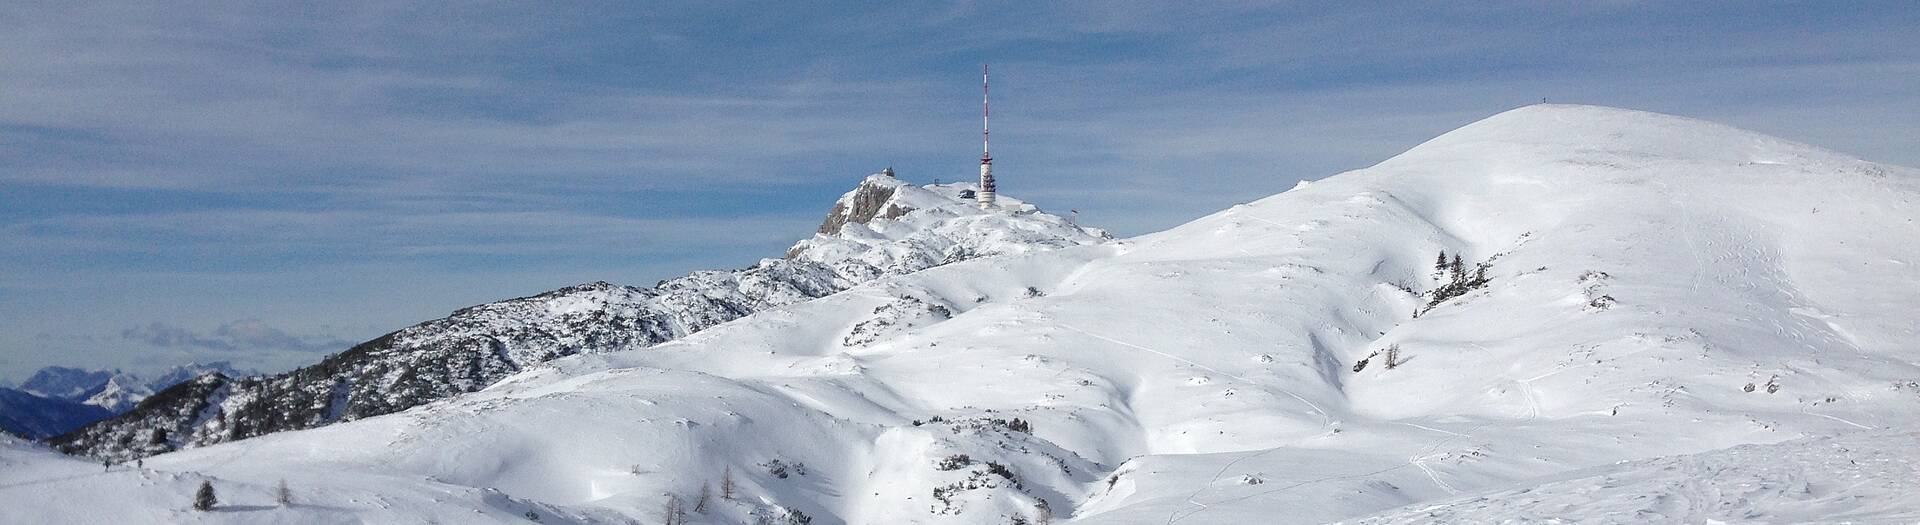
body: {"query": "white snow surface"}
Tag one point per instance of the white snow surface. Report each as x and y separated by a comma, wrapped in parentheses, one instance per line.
(1684, 322)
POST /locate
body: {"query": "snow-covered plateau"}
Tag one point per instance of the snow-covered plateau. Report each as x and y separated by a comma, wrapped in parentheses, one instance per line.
(1556, 314)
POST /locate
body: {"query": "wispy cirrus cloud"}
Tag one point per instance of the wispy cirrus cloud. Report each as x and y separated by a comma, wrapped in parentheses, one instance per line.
(246, 335)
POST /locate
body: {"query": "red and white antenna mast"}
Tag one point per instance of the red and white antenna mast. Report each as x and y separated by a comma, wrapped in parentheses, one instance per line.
(985, 195)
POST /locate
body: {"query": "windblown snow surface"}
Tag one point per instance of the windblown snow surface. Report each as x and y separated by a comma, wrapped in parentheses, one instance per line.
(1682, 322)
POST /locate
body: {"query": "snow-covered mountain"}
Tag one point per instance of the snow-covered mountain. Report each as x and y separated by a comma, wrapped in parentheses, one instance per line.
(883, 227)
(57, 400)
(115, 390)
(66, 383)
(31, 416)
(1641, 303)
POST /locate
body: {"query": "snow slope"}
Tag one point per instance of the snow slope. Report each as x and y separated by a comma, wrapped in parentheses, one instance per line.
(42, 486)
(1858, 478)
(1658, 290)
(883, 227)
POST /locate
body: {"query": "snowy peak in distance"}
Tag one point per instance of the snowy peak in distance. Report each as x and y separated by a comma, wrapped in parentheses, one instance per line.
(115, 390)
(66, 383)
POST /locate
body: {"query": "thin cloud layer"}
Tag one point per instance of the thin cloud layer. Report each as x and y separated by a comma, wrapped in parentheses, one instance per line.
(247, 335)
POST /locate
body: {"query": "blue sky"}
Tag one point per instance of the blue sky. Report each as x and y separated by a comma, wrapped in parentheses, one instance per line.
(266, 184)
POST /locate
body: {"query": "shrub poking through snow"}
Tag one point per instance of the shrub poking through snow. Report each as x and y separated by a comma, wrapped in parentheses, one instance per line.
(1362, 363)
(944, 494)
(1393, 356)
(893, 318)
(1002, 471)
(781, 469)
(1459, 281)
(204, 499)
(1593, 284)
(953, 462)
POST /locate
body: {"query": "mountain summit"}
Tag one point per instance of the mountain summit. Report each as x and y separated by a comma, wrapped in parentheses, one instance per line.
(1589, 301)
(921, 227)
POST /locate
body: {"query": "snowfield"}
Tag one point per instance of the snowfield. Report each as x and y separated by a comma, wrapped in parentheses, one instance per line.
(1863, 477)
(1656, 319)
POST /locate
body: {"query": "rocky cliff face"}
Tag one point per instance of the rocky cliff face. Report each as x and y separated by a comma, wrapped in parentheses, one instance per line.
(884, 227)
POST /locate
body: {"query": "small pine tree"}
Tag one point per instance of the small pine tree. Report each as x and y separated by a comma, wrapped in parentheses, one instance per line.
(282, 495)
(1458, 268)
(204, 499)
(1393, 356)
(1441, 262)
(706, 496)
(726, 484)
(676, 514)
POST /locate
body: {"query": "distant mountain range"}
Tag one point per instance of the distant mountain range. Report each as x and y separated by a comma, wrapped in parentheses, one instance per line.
(58, 399)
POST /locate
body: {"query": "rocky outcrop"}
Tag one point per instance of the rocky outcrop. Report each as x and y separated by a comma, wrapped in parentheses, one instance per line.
(870, 200)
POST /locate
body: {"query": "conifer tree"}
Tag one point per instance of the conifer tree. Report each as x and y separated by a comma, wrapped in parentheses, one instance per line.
(726, 484)
(282, 495)
(204, 499)
(675, 513)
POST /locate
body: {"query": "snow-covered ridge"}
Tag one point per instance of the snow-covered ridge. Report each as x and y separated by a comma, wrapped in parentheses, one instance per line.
(1656, 290)
(923, 227)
